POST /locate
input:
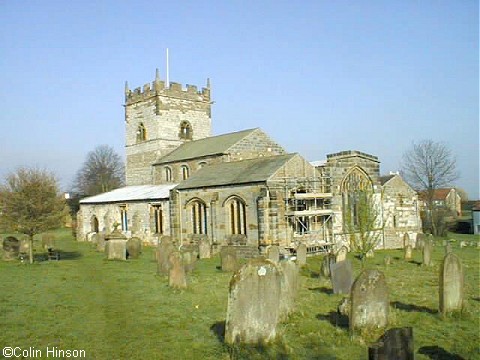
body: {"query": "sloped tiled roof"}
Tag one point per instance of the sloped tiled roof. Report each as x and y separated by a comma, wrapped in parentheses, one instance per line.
(386, 178)
(213, 145)
(438, 194)
(131, 193)
(236, 172)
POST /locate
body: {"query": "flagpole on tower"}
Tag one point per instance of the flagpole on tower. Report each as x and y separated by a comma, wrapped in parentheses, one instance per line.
(168, 78)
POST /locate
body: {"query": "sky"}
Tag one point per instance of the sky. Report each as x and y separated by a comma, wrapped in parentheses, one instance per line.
(318, 76)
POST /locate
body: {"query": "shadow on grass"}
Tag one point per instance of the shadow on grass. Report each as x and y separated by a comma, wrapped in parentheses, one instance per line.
(412, 307)
(218, 329)
(335, 318)
(69, 255)
(475, 298)
(438, 353)
(322, 289)
(415, 262)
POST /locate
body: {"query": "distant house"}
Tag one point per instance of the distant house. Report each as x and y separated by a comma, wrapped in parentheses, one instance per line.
(476, 218)
(444, 198)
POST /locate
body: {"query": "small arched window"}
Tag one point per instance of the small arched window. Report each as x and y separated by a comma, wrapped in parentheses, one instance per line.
(185, 172)
(141, 133)
(168, 174)
(185, 131)
(201, 164)
(198, 212)
(237, 216)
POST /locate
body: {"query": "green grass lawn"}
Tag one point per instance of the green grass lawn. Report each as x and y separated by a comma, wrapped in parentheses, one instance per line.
(123, 310)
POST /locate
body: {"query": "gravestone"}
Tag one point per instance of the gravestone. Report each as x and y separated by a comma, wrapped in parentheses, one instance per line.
(427, 252)
(370, 254)
(341, 276)
(327, 262)
(134, 247)
(189, 260)
(204, 249)
(420, 241)
(342, 254)
(11, 247)
(116, 249)
(301, 254)
(273, 253)
(24, 245)
(408, 252)
(395, 344)
(406, 240)
(100, 239)
(253, 309)
(448, 248)
(176, 274)
(369, 301)
(289, 287)
(164, 249)
(228, 258)
(451, 284)
(48, 241)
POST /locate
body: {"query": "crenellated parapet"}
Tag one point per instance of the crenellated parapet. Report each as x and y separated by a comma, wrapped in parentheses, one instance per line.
(173, 90)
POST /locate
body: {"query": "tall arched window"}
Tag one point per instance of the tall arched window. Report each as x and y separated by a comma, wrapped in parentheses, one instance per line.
(185, 172)
(237, 216)
(168, 174)
(198, 211)
(185, 131)
(356, 189)
(141, 133)
(94, 224)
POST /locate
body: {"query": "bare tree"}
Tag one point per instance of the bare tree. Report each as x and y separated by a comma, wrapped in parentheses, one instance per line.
(31, 203)
(427, 166)
(102, 171)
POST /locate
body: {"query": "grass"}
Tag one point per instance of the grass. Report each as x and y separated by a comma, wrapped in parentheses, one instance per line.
(123, 310)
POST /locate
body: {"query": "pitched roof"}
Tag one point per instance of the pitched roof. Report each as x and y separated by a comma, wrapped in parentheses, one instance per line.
(236, 172)
(386, 178)
(131, 193)
(438, 194)
(213, 145)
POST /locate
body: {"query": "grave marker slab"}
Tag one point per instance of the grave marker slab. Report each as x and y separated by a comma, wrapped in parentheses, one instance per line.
(341, 276)
(342, 254)
(134, 247)
(451, 284)
(228, 258)
(164, 249)
(301, 254)
(176, 275)
(273, 253)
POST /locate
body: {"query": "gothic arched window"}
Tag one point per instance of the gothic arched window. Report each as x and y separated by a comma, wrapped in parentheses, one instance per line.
(237, 217)
(356, 187)
(141, 133)
(198, 211)
(185, 131)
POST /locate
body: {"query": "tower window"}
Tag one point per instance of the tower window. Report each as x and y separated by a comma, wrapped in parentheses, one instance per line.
(168, 174)
(185, 172)
(141, 133)
(185, 131)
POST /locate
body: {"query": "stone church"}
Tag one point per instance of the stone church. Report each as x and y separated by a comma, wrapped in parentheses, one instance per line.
(240, 188)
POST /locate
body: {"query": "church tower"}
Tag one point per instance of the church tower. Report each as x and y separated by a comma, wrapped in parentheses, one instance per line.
(159, 118)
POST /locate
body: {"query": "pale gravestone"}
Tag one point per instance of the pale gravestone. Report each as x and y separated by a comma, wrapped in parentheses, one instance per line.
(134, 247)
(406, 240)
(116, 249)
(342, 254)
(420, 241)
(341, 276)
(176, 275)
(273, 253)
(301, 254)
(204, 248)
(395, 344)
(408, 252)
(253, 309)
(189, 260)
(228, 258)
(369, 301)
(164, 249)
(327, 262)
(427, 252)
(11, 247)
(451, 284)
(289, 287)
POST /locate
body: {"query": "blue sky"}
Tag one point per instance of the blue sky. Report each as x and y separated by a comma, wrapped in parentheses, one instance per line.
(318, 76)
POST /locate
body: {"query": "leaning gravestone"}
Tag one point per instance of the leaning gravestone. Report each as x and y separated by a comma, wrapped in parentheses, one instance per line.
(273, 253)
(11, 247)
(327, 262)
(204, 249)
(395, 344)
(406, 240)
(253, 309)
(369, 301)
(165, 247)
(341, 276)
(342, 254)
(451, 284)
(176, 275)
(228, 258)
(408, 252)
(134, 247)
(289, 287)
(301, 254)
(420, 241)
(427, 252)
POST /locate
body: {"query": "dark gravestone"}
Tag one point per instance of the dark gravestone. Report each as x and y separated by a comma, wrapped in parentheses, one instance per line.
(134, 247)
(11, 247)
(176, 274)
(165, 247)
(301, 254)
(451, 284)
(369, 301)
(395, 344)
(253, 309)
(327, 262)
(341, 276)
(228, 258)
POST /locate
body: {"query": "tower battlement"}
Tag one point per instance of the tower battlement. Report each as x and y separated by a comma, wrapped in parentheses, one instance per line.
(159, 88)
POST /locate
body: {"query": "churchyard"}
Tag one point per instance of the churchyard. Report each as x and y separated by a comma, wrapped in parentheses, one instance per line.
(124, 310)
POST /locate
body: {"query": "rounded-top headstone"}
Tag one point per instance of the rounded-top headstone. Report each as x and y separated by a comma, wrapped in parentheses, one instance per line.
(134, 247)
(451, 284)
(301, 254)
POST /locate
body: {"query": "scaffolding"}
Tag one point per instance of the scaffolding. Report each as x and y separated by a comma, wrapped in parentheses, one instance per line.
(308, 211)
